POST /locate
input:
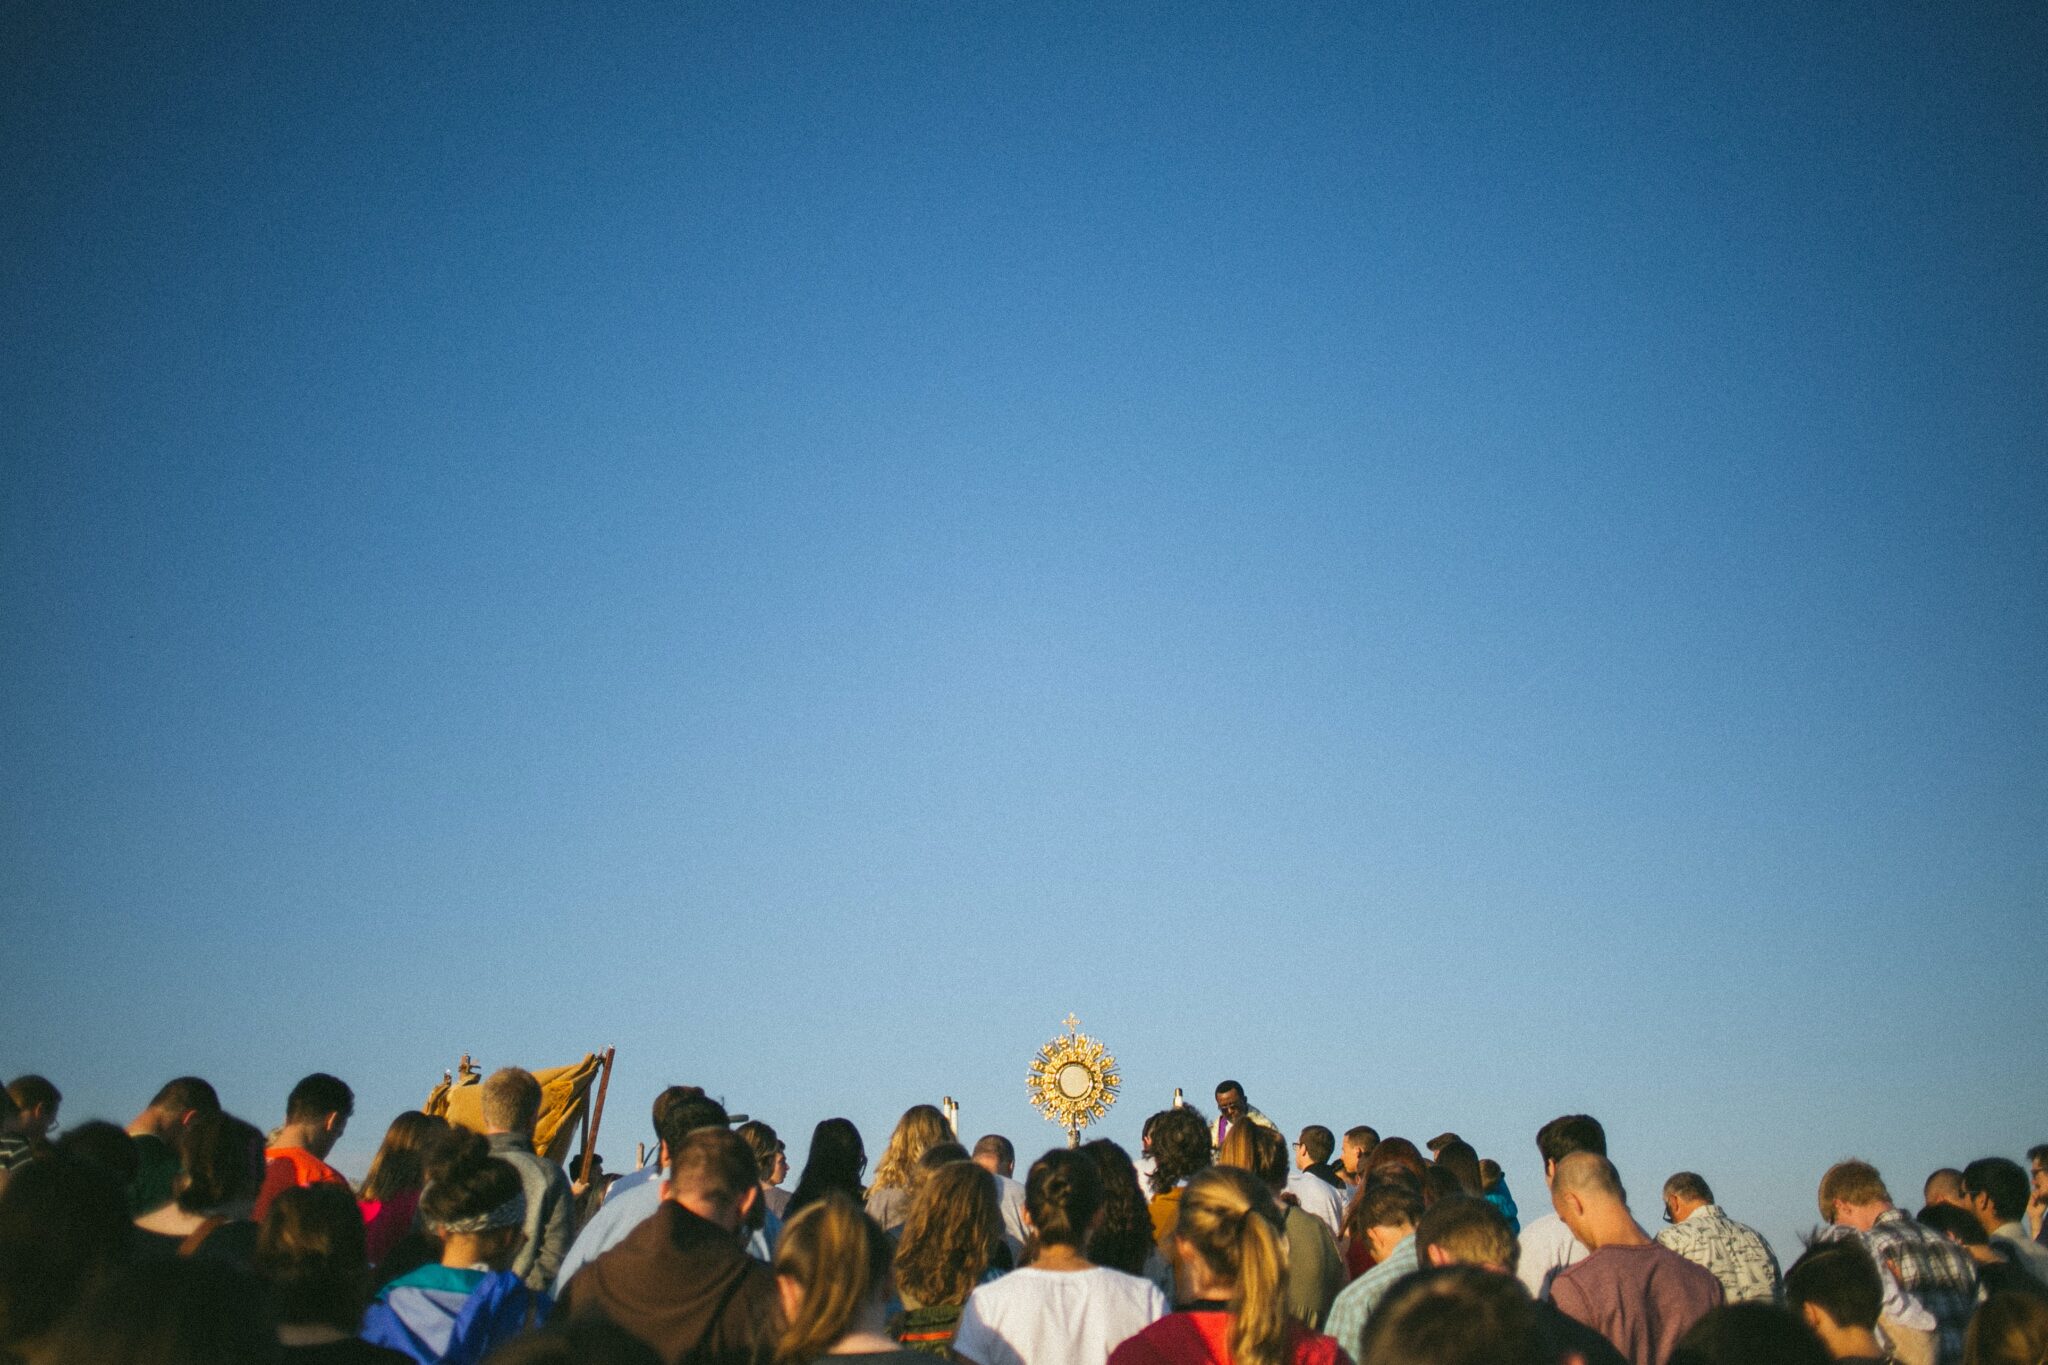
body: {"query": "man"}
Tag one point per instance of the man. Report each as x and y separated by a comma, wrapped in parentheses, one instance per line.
(14, 1145)
(1945, 1186)
(315, 1116)
(1460, 1315)
(655, 1171)
(1389, 1213)
(679, 1280)
(1998, 1269)
(156, 1131)
(773, 1161)
(1232, 1108)
(1736, 1255)
(1358, 1145)
(628, 1206)
(35, 1103)
(1313, 1183)
(1929, 1283)
(1463, 1229)
(994, 1153)
(1995, 1190)
(1547, 1244)
(1642, 1297)
(511, 1107)
(1835, 1288)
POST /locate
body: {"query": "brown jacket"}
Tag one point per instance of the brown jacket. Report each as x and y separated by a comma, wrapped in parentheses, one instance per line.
(681, 1284)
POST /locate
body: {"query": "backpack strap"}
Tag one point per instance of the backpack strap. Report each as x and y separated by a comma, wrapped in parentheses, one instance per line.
(199, 1234)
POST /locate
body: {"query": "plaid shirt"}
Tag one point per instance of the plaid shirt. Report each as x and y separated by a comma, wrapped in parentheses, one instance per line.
(1354, 1304)
(1738, 1256)
(1933, 1270)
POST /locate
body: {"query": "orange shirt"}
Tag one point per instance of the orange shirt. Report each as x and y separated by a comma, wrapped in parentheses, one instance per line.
(286, 1168)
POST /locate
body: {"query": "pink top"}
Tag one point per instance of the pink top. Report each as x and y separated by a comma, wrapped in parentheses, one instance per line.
(385, 1221)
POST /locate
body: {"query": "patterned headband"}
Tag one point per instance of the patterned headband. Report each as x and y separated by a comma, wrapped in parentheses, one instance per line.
(510, 1214)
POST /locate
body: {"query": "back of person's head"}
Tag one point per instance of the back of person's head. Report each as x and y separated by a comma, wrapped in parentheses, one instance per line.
(998, 1148)
(2009, 1328)
(220, 1163)
(1229, 1220)
(1942, 1185)
(1457, 1157)
(839, 1257)
(1590, 1176)
(834, 1162)
(1123, 1239)
(1490, 1173)
(690, 1114)
(317, 1096)
(953, 1226)
(1180, 1146)
(400, 1165)
(1468, 1231)
(713, 1166)
(179, 1310)
(33, 1092)
(1749, 1334)
(1319, 1143)
(1062, 1194)
(1457, 1315)
(2001, 1180)
(669, 1096)
(1362, 1139)
(921, 1128)
(106, 1145)
(510, 1100)
(469, 1190)
(1570, 1133)
(1395, 1151)
(1389, 1203)
(942, 1154)
(63, 1221)
(185, 1095)
(1840, 1279)
(313, 1252)
(1442, 1140)
(1689, 1186)
(1959, 1225)
(1438, 1182)
(1851, 1182)
(1260, 1150)
(585, 1340)
(761, 1141)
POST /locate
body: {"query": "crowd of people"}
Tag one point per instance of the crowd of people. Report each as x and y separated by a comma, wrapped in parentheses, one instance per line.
(190, 1235)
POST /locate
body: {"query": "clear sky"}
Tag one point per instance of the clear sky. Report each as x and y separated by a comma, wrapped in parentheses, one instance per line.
(1452, 564)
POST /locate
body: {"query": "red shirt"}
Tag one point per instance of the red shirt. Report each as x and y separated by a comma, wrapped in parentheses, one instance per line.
(1202, 1337)
(286, 1168)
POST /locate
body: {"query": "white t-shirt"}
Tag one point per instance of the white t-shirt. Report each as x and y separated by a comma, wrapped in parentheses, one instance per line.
(1547, 1247)
(1055, 1317)
(1320, 1198)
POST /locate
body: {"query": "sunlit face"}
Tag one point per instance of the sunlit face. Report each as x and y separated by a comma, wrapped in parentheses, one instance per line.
(1231, 1102)
(2040, 1181)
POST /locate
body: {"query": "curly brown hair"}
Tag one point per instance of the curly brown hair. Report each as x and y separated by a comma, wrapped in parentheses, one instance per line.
(953, 1227)
(1180, 1146)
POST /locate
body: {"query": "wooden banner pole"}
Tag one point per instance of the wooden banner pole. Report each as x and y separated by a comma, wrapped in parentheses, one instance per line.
(597, 1116)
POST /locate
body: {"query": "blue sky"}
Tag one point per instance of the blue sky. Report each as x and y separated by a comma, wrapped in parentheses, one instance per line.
(1452, 564)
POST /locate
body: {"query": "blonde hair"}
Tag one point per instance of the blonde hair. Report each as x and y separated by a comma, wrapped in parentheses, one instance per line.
(1851, 1182)
(921, 1128)
(1229, 1219)
(954, 1223)
(840, 1258)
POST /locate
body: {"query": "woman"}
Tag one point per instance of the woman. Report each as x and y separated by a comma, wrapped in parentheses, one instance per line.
(1180, 1147)
(832, 1271)
(313, 1252)
(1062, 1309)
(390, 1195)
(947, 1246)
(921, 1128)
(1315, 1270)
(834, 1162)
(1458, 1157)
(1124, 1240)
(1228, 1248)
(220, 1172)
(1495, 1185)
(458, 1309)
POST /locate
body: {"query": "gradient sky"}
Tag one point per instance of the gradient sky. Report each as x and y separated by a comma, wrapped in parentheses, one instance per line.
(1452, 564)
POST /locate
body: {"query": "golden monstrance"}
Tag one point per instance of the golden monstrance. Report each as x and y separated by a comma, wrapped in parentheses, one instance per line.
(1073, 1081)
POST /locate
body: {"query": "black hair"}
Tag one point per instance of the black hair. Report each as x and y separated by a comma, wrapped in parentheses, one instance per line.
(2003, 1181)
(1124, 1240)
(313, 1251)
(1840, 1279)
(317, 1096)
(1746, 1333)
(1063, 1194)
(1570, 1133)
(62, 1221)
(220, 1160)
(833, 1163)
(465, 1180)
(1180, 1146)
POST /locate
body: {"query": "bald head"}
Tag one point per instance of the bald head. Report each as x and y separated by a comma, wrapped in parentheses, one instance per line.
(1586, 1191)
